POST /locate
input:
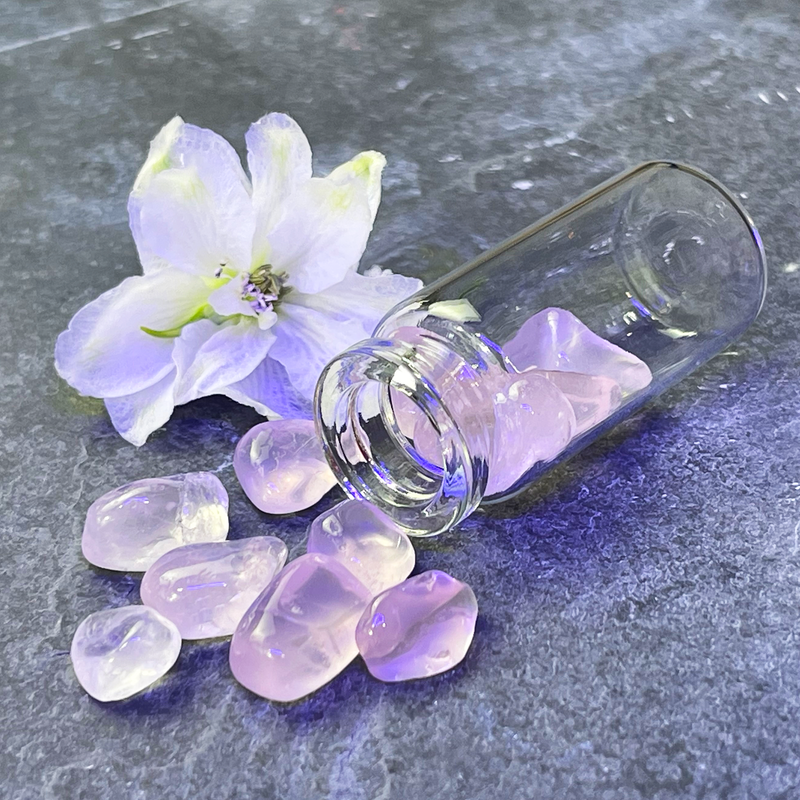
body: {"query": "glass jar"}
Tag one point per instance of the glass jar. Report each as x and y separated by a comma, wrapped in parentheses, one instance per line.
(480, 382)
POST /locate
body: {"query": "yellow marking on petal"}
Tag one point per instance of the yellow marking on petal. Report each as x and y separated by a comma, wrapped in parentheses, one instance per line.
(158, 158)
(173, 333)
(341, 198)
(364, 163)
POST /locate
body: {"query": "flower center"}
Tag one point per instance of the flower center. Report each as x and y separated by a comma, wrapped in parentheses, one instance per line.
(263, 287)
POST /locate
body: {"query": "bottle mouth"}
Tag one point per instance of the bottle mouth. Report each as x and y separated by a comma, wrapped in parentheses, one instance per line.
(368, 402)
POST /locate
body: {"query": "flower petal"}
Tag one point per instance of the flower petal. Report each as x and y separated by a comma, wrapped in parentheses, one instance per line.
(363, 298)
(192, 208)
(279, 158)
(323, 232)
(269, 391)
(366, 168)
(227, 299)
(209, 357)
(307, 339)
(157, 161)
(105, 353)
(137, 415)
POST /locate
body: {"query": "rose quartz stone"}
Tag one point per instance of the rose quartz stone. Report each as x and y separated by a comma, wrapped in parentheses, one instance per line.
(118, 652)
(363, 539)
(534, 422)
(418, 628)
(281, 466)
(129, 528)
(206, 588)
(300, 632)
(555, 339)
(592, 397)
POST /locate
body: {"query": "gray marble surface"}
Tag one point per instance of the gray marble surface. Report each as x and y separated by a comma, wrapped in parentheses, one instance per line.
(638, 635)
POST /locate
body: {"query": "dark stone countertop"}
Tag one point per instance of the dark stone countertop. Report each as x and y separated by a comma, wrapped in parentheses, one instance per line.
(640, 607)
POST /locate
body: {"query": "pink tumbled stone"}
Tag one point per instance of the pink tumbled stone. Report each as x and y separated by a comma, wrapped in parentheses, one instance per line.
(418, 628)
(118, 652)
(300, 632)
(592, 397)
(363, 539)
(129, 528)
(206, 588)
(281, 466)
(555, 339)
(534, 422)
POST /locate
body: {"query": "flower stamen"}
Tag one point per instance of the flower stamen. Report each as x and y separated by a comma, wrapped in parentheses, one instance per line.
(263, 287)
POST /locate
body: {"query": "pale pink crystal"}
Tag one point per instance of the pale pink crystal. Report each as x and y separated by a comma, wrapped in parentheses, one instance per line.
(300, 632)
(414, 424)
(555, 339)
(534, 422)
(118, 652)
(206, 588)
(592, 397)
(418, 628)
(128, 528)
(281, 466)
(363, 539)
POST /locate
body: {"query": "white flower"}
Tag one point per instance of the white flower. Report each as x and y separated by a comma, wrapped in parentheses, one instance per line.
(248, 290)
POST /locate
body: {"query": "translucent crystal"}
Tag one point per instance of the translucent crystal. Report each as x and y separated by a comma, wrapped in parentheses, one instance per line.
(281, 466)
(418, 628)
(128, 528)
(534, 422)
(118, 652)
(364, 540)
(592, 397)
(300, 632)
(206, 588)
(555, 339)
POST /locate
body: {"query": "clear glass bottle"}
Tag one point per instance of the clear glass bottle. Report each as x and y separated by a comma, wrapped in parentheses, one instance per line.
(483, 380)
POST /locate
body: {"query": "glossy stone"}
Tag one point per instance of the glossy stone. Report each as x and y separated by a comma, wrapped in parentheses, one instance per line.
(592, 397)
(534, 422)
(204, 589)
(281, 466)
(555, 339)
(418, 628)
(129, 528)
(366, 541)
(300, 632)
(120, 651)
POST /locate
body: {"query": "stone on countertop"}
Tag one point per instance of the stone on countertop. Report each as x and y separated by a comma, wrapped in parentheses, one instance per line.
(300, 632)
(204, 589)
(129, 528)
(418, 628)
(120, 651)
(363, 539)
(281, 466)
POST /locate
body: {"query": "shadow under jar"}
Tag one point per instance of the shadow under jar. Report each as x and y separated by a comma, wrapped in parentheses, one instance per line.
(482, 381)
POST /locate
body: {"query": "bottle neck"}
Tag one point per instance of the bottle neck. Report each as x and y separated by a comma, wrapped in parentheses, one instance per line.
(407, 423)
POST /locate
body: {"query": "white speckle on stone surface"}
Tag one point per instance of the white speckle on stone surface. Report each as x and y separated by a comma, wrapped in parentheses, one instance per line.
(522, 185)
(764, 98)
(791, 267)
(670, 118)
(563, 139)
